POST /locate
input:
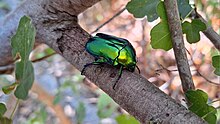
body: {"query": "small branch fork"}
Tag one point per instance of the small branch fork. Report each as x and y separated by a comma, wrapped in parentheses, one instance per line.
(194, 64)
(163, 68)
(9, 68)
(209, 32)
(198, 72)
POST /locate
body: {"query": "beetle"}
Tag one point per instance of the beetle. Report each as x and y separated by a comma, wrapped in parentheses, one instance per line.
(112, 50)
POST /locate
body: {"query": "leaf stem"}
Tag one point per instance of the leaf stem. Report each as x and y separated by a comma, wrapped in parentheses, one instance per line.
(12, 114)
(44, 57)
(214, 101)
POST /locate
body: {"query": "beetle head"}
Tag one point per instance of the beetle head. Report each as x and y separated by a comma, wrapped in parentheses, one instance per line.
(131, 67)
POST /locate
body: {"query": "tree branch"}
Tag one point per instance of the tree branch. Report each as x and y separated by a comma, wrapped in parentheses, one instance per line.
(69, 9)
(58, 28)
(210, 33)
(178, 44)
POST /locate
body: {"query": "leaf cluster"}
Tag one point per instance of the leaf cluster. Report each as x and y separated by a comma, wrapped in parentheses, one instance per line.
(160, 34)
(161, 39)
(22, 44)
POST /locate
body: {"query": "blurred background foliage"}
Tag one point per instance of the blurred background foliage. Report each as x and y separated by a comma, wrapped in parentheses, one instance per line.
(61, 94)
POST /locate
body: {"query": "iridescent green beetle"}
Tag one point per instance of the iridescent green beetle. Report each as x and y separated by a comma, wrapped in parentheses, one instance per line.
(113, 51)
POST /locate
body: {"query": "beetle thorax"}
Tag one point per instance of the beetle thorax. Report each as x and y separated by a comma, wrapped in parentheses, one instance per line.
(125, 59)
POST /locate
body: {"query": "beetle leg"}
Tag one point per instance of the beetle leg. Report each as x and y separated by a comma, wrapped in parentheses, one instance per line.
(96, 58)
(138, 69)
(119, 76)
(93, 63)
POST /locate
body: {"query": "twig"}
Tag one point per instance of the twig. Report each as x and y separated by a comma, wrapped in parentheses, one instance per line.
(209, 32)
(117, 14)
(207, 79)
(8, 69)
(163, 68)
(157, 72)
(217, 100)
(178, 44)
(13, 112)
(198, 72)
(42, 58)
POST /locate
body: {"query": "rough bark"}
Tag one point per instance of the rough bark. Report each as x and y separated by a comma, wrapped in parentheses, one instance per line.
(178, 44)
(57, 26)
(41, 12)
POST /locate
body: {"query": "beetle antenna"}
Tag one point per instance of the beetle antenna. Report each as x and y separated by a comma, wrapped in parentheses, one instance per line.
(138, 69)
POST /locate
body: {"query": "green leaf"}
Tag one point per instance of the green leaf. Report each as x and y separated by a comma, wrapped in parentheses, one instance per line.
(218, 114)
(184, 8)
(217, 71)
(22, 43)
(126, 119)
(210, 117)
(197, 96)
(142, 8)
(8, 89)
(106, 106)
(198, 104)
(192, 30)
(160, 37)
(3, 109)
(216, 61)
(4, 120)
(25, 75)
(216, 64)
(161, 11)
(80, 113)
(160, 33)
